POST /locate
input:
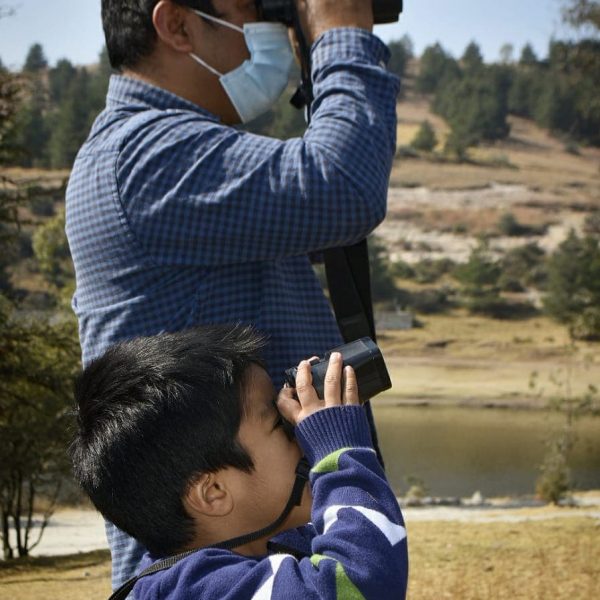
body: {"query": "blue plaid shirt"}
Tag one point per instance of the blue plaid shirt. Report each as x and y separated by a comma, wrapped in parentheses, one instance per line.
(175, 219)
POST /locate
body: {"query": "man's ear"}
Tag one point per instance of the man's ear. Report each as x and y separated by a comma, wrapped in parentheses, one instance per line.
(209, 496)
(169, 21)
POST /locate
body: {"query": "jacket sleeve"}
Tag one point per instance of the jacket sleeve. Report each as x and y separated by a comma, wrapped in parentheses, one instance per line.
(359, 550)
(198, 193)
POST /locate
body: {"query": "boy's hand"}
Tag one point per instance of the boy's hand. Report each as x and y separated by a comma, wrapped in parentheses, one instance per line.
(296, 407)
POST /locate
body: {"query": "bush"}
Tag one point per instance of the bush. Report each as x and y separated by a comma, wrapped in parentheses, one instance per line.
(586, 326)
(554, 481)
(430, 271)
(573, 291)
(523, 267)
(591, 225)
(403, 270)
(431, 301)
(42, 206)
(425, 140)
(509, 226)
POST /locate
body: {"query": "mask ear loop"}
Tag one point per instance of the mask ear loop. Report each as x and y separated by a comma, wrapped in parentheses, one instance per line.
(205, 65)
(219, 21)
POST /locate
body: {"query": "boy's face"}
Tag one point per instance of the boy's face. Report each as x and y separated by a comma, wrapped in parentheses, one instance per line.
(264, 492)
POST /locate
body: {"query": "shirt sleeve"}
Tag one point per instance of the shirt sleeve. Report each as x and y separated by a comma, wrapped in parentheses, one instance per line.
(359, 551)
(195, 192)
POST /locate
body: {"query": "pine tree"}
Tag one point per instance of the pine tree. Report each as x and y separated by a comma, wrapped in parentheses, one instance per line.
(436, 67)
(59, 79)
(425, 139)
(36, 60)
(398, 58)
(573, 291)
(528, 56)
(32, 137)
(472, 59)
(70, 125)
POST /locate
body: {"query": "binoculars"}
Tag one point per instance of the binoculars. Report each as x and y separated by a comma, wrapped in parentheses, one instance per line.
(283, 11)
(364, 357)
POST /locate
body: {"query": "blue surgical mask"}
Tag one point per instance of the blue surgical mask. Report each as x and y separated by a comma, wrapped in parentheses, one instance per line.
(257, 83)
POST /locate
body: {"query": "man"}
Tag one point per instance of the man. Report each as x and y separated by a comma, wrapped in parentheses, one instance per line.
(175, 218)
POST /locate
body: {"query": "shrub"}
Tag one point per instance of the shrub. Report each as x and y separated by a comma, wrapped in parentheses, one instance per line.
(573, 291)
(431, 301)
(425, 140)
(522, 267)
(554, 481)
(429, 271)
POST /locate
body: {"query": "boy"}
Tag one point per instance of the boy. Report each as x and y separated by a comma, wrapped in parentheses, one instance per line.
(181, 444)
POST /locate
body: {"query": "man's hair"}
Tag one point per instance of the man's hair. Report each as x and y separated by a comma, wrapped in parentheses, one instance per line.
(152, 415)
(128, 29)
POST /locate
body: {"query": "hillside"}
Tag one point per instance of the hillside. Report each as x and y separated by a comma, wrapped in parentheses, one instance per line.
(438, 208)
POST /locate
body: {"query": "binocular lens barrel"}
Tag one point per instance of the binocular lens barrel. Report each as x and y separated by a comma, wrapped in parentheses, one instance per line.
(283, 11)
(364, 357)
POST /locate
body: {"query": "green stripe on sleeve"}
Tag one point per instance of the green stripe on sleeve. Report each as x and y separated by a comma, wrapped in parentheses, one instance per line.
(330, 463)
(344, 588)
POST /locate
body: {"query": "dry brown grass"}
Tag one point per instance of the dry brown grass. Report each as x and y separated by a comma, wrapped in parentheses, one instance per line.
(469, 360)
(530, 156)
(558, 559)
(555, 558)
(77, 577)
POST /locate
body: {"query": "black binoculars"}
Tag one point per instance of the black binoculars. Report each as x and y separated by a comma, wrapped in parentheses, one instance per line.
(283, 11)
(364, 357)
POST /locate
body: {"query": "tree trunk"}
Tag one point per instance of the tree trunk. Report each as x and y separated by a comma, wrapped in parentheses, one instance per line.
(17, 516)
(7, 551)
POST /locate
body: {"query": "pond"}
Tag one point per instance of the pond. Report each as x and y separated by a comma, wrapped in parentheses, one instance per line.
(457, 451)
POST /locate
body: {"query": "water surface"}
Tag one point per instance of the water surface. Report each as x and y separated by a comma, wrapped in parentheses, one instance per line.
(457, 451)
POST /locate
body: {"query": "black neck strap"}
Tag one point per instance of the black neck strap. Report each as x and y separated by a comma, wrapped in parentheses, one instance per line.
(295, 499)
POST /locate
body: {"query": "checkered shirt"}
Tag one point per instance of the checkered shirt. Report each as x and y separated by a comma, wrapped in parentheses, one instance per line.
(175, 219)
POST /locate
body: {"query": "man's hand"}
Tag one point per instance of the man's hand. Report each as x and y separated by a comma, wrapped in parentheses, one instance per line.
(317, 16)
(295, 409)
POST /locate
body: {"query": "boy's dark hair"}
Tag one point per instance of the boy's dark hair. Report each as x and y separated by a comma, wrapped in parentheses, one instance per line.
(128, 29)
(154, 413)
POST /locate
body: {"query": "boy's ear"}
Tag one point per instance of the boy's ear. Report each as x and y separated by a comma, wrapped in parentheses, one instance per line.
(209, 496)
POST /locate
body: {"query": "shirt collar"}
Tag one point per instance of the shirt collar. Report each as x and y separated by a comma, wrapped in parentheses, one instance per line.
(126, 91)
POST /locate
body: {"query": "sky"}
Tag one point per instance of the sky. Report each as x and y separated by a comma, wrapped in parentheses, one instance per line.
(72, 29)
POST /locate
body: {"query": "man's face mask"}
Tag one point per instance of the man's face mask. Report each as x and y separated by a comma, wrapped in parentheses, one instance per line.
(257, 83)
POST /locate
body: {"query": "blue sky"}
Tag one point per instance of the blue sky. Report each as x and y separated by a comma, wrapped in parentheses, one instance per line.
(72, 29)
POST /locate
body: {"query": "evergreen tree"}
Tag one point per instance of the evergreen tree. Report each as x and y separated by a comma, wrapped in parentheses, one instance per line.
(474, 107)
(382, 274)
(479, 278)
(32, 134)
(409, 46)
(436, 67)
(528, 56)
(99, 85)
(70, 124)
(555, 106)
(472, 59)
(525, 91)
(425, 139)
(582, 13)
(398, 57)
(573, 291)
(36, 60)
(59, 79)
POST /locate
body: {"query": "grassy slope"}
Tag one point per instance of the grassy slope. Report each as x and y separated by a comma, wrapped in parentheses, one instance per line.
(484, 360)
